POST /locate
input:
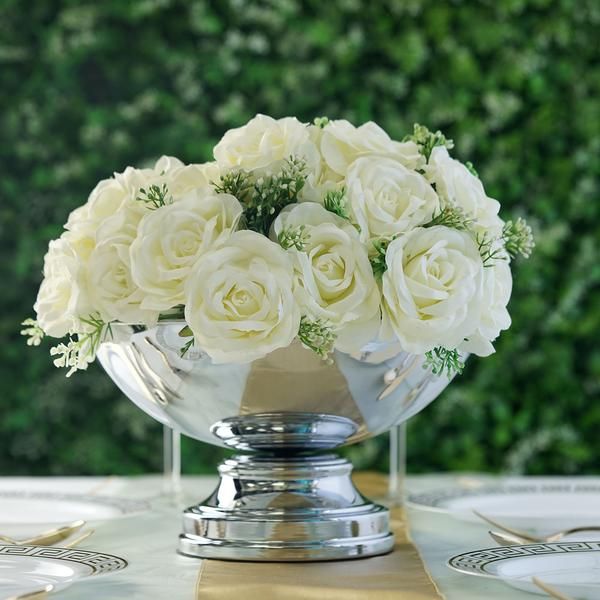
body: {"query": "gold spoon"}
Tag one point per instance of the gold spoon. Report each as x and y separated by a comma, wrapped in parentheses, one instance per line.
(47, 538)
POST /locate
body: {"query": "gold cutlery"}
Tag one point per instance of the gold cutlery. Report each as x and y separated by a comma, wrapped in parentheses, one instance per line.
(507, 539)
(75, 542)
(47, 538)
(551, 591)
(36, 595)
(528, 538)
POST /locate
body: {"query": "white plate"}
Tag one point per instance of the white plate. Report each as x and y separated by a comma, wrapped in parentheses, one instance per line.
(539, 507)
(571, 567)
(29, 568)
(26, 513)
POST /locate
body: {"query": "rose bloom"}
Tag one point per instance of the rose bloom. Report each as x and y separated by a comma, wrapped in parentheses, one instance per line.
(342, 143)
(457, 186)
(334, 278)
(171, 238)
(386, 198)
(264, 142)
(497, 288)
(101, 232)
(119, 193)
(111, 289)
(432, 289)
(239, 300)
(62, 296)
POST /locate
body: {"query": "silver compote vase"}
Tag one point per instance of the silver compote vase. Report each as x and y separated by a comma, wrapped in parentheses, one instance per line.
(285, 496)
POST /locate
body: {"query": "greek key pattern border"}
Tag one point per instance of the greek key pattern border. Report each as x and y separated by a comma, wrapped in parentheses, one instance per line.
(98, 562)
(478, 560)
(125, 505)
(435, 499)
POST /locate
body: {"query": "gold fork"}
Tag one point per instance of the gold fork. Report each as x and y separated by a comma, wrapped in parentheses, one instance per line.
(529, 538)
(47, 538)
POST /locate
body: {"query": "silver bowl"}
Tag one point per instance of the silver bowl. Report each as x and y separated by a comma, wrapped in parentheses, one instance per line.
(285, 500)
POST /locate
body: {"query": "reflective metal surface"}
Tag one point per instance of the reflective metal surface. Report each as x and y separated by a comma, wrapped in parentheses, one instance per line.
(283, 502)
(379, 388)
(294, 508)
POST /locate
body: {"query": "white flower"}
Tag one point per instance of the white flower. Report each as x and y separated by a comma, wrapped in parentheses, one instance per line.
(432, 289)
(342, 143)
(182, 179)
(386, 198)
(120, 193)
(101, 232)
(61, 298)
(263, 142)
(334, 278)
(171, 239)
(239, 299)
(497, 288)
(74, 355)
(457, 186)
(111, 289)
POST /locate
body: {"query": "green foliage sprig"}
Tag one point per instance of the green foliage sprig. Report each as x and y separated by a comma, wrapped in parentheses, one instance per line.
(237, 183)
(490, 249)
(294, 237)
(186, 347)
(264, 196)
(451, 216)
(378, 262)
(518, 238)
(335, 201)
(441, 359)
(155, 196)
(317, 336)
(427, 140)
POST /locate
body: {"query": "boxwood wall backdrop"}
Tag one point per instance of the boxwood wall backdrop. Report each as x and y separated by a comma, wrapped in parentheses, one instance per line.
(87, 88)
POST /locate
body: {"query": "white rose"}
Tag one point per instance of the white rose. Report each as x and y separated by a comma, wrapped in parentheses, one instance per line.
(180, 178)
(457, 186)
(239, 299)
(342, 143)
(497, 288)
(111, 289)
(61, 298)
(432, 289)
(334, 278)
(386, 198)
(110, 196)
(263, 142)
(171, 239)
(322, 179)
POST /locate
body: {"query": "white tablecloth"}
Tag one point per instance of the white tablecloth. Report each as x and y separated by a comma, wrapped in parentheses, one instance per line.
(157, 572)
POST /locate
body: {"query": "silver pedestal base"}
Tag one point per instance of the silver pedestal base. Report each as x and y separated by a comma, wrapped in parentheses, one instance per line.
(302, 508)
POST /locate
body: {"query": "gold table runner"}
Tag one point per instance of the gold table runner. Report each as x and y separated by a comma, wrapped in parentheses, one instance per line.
(399, 575)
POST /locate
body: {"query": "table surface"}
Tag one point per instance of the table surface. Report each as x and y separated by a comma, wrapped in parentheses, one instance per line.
(156, 571)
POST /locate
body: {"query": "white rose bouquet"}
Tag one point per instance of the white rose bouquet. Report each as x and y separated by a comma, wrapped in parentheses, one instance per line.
(333, 234)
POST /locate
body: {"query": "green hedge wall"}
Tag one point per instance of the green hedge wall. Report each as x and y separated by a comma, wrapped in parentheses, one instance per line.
(89, 87)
